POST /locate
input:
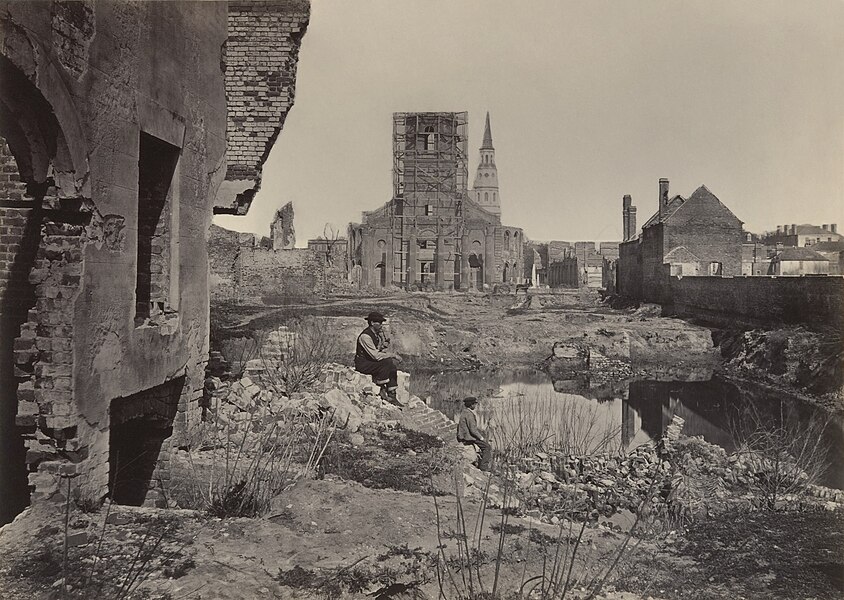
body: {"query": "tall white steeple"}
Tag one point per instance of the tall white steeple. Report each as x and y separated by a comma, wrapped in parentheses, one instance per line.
(485, 188)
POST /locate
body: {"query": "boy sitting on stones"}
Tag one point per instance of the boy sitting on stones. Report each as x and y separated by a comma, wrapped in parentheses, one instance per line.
(469, 434)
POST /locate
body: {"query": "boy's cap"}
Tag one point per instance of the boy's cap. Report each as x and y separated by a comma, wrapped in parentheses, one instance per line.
(470, 401)
(375, 317)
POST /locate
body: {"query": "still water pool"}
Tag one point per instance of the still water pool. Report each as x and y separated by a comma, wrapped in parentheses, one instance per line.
(526, 409)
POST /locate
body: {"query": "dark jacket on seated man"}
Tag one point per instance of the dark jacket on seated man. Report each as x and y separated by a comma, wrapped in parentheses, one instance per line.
(469, 434)
(372, 358)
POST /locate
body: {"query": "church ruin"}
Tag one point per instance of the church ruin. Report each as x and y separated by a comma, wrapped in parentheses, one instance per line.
(435, 233)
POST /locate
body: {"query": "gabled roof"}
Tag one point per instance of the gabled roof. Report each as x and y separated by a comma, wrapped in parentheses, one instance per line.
(677, 202)
(680, 254)
(798, 253)
(828, 246)
(673, 204)
(807, 229)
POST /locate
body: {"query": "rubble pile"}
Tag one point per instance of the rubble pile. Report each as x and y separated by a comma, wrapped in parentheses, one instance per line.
(600, 485)
(680, 475)
(350, 398)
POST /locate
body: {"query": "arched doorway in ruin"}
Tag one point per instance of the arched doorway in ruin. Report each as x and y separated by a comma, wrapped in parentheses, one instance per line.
(35, 163)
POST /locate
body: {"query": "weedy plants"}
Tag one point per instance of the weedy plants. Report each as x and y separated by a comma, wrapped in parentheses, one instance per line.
(110, 564)
(783, 453)
(249, 464)
(570, 567)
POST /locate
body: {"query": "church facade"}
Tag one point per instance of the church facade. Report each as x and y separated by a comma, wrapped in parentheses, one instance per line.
(435, 233)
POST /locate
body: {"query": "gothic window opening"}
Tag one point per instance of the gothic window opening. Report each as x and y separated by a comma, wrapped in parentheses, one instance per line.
(156, 169)
(429, 139)
(381, 274)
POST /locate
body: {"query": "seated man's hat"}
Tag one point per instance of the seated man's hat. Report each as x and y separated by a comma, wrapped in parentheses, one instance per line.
(375, 317)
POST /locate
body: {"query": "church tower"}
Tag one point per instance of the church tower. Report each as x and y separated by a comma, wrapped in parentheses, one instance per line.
(485, 189)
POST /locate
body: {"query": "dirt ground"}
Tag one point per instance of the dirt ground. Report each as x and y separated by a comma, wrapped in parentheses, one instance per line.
(332, 538)
(354, 532)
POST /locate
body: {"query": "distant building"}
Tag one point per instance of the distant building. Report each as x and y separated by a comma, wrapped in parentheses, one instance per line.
(834, 253)
(434, 233)
(755, 257)
(803, 235)
(485, 189)
(575, 265)
(695, 236)
(799, 261)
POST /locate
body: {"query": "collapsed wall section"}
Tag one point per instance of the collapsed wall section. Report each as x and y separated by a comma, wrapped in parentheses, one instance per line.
(260, 58)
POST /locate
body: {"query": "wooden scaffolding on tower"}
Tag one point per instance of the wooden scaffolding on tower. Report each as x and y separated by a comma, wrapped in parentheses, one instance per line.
(430, 180)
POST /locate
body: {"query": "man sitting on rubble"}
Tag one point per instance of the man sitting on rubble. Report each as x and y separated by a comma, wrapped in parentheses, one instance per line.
(372, 358)
(469, 434)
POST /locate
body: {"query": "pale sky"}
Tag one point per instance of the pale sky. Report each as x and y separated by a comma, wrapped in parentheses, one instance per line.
(588, 100)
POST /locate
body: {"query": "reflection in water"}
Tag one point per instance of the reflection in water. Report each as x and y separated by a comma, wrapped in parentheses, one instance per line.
(517, 407)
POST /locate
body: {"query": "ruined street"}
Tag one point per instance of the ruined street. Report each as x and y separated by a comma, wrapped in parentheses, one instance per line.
(421, 300)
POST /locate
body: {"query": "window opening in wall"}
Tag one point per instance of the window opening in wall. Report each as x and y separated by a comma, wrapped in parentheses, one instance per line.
(486, 197)
(156, 168)
(430, 138)
(715, 269)
(381, 274)
(429, 210)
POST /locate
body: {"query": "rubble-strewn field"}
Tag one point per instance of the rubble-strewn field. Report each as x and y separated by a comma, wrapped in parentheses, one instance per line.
(304, 483)
(465, 331)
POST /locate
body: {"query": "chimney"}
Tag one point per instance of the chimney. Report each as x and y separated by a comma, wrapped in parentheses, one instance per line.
(825, 227)
(833, 227)
(663, 196)
(779, 229)
(793, 229)
(628, 218)
(632, 214)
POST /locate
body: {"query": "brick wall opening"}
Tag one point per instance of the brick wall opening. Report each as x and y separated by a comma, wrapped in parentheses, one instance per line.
(19, 228)
(156, 167)
(139, 432)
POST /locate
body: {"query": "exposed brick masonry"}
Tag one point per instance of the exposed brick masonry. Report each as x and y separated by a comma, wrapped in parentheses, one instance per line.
(73, 29)
(260, 55)
(18, 239)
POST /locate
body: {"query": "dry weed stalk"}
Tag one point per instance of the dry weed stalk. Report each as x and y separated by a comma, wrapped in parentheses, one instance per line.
(298, 363)
(786, 455)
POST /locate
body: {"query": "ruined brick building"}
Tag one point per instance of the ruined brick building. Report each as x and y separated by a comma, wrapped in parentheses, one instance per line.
(123, 126)
(695, 236)
(581, 264)
(691, 257)
(435, 233)
(249, 270)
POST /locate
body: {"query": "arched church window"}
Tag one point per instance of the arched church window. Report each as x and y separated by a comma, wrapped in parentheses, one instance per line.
(430, 138)
(486, 197)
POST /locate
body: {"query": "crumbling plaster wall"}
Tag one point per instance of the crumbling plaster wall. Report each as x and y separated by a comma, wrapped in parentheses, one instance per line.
(109, 71)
